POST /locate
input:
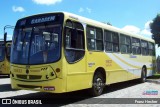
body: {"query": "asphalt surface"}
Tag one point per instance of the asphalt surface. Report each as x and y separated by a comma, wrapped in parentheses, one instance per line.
(125, 94)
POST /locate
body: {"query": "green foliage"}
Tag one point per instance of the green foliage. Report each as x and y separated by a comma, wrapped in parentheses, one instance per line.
(155, 29)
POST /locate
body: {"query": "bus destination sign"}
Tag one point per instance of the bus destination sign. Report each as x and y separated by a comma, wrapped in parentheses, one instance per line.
(43, 19)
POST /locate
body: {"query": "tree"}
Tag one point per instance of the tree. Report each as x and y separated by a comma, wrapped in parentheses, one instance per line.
(155, 29)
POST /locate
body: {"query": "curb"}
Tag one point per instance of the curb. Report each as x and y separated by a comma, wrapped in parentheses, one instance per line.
(157, 81)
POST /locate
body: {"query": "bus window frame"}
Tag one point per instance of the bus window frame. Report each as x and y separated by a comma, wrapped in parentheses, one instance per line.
(2, 45)
(153, 50)
(73, 49)
(95, 38)
(130, 46)
(136, 46)
(147, 49)
(105, 41)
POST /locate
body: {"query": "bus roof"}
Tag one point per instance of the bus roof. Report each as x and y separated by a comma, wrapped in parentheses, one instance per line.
(99, 24)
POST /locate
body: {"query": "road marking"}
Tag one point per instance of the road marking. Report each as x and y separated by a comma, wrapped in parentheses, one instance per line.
(5, 81)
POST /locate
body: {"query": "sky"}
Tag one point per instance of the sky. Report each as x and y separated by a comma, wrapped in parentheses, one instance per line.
(130, 15)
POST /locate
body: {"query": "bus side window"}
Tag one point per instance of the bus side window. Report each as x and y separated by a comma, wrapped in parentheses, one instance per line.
(108, 41)
(2, 53)
(74, 41)
(151, 49)
(136, 48)
(8, 52)
(125, 42)
(111, 40)
(115, 40)
(68, 37)
(94, 38)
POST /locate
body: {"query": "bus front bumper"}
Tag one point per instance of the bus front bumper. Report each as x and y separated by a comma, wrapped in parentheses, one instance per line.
(52, 86)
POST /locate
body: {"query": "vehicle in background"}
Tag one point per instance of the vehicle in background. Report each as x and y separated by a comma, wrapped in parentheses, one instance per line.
(5, 50)
(5, 57)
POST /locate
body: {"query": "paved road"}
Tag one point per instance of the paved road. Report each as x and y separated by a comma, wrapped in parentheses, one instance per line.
(123, 92)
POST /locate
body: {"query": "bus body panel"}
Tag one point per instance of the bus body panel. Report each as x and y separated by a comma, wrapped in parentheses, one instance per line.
(5, 64)
(79, 75)
(5, 67)
(37, 77)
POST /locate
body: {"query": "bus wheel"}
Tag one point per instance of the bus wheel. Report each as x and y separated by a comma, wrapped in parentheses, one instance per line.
(143, 75)
(97, 85)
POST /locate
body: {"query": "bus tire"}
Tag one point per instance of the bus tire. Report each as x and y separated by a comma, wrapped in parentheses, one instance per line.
(143, 75)
(97, 84)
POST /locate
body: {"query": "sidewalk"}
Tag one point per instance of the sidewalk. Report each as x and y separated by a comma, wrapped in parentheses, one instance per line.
(156, 81)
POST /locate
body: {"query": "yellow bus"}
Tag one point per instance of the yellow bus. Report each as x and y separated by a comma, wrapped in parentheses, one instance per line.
(5, 49)
(63, 52)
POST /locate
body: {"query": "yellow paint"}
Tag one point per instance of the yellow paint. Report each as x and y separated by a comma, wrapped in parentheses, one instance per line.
(79, 75)
(5, 64)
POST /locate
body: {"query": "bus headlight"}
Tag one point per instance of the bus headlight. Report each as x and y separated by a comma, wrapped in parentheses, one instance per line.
(12, 75)
(47, 77)
(52, 73)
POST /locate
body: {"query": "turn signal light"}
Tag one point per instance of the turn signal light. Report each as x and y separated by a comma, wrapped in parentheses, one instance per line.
(52, 73)
(47, 77)
(12, 75)
(58, 70)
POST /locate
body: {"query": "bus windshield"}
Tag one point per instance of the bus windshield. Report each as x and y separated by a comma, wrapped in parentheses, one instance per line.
(36, 45)
(2, 53)
(8, 52)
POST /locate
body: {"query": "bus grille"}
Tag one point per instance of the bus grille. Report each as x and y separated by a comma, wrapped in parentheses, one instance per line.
(30, 86)
(22, 76)
(32, 77)
(35, 77)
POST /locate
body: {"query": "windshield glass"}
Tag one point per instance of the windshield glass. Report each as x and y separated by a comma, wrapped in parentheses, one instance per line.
(2, 53)
(8, 52)
(36, 45)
